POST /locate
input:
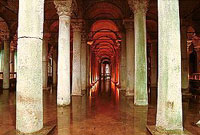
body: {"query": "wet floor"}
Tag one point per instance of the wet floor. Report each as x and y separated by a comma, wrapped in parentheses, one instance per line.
(104, 110)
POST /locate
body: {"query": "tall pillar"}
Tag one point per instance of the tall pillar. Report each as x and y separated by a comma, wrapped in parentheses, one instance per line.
(45, 62)
(169, 108)
(76, 70)
(55, 60)
(184, 60)
(63, 87)
(29, 94)
(88, 66)
(6, 68)
(83, 62)
(130, 56)
(139, 8)
(122, 76)
(12, 62)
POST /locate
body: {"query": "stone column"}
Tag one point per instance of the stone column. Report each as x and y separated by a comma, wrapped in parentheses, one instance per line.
(63, 87)
(130, 56)
(169, 108)
(83, 62)
(184, 60)
(29, 94)
(45, 63)
(139, 8)
(6, 68)
(88, 66)
(154, 64)
(12, 62)
(122, 76)
(55, 60)
(76, 70)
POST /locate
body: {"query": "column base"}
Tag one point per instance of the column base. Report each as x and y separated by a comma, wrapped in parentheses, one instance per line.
(46, 130)
(154, 131)
(141, 103)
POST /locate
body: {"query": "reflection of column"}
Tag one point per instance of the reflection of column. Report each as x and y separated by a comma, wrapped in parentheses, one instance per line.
(45, 63)
(140, 125)
(130, 53)
(184, 60)
(29, 99)
(63, 88)
(140, 90)
(76, 70)
(83, 62)
(63, 120)
(6, 68)
(55, 59)
(122, 76)
(169, 110)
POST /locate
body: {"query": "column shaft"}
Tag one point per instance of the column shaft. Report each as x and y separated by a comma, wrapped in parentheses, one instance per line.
(83, 63)
(45, 63)
(63, 92)
(122, 76)
(184, 60)
(12, 62)
(169, 108)
(140, 93)
(76, 70)
(154, 64)
(55, 57)
(29, 95)
(6, 69)
(88, 65)
(130, 56)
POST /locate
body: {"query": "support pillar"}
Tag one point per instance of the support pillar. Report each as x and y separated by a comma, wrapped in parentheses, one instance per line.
(6, 68)
(184, 61)
(154, 64)
(29, 94)
(139, 8)
(83, 62)
(45, 63)
(130, 56)
(63, 87)
(76, 70)
(169, 108)
(122, 76)
(12, 62)
(55, 60)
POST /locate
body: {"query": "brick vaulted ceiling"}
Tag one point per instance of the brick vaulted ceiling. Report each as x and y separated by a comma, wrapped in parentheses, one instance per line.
(96, 10)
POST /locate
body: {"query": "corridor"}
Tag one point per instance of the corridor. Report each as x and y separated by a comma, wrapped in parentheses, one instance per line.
(102, 111)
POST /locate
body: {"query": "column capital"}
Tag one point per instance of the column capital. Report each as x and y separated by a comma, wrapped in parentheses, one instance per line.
(138, 5)
(128, 23)
(63, 7)
(77, 24)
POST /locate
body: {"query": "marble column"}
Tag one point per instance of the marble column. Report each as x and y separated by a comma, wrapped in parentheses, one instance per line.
(6, 68)
(130, 56)
(184, 60)
(55, 60)
(63, 87)
(122, 76)
(29, 94)
(83, 62)
(140, 90)
(76, 68)
(45, 63)
(169, 108)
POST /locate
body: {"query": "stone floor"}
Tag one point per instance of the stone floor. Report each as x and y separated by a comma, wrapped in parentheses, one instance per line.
(102, 111)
